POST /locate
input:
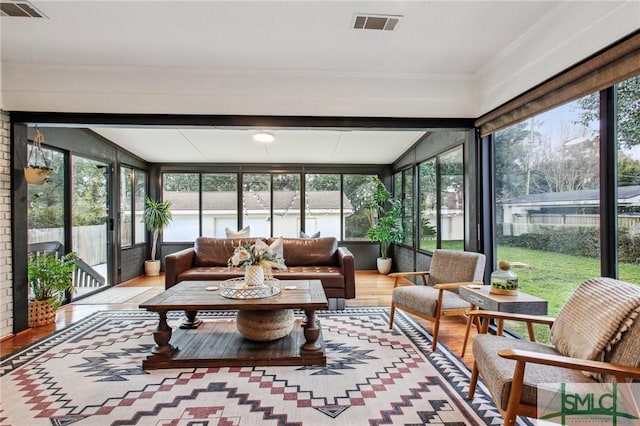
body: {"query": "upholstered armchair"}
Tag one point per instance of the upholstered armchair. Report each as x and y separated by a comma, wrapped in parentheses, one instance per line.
(436, 295)
(594, 339)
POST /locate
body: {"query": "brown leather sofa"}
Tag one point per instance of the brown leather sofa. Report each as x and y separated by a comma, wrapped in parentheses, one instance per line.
(313, 258)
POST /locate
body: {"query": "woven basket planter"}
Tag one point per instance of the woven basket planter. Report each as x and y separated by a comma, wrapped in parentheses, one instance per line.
(40, 313)
(264, 326)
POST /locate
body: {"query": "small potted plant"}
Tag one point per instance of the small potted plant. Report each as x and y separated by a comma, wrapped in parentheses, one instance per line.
(50, 277)
(157, 215)
(38, 167)
(385, 216)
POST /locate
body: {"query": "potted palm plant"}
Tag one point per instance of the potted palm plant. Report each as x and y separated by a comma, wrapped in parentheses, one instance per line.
(157, 215)
(49, 277)
(385, 217)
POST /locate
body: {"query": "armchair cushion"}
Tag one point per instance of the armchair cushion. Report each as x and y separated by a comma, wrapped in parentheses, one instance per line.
(452, 266)
(612, 305)
(497, 372)
(425, 299)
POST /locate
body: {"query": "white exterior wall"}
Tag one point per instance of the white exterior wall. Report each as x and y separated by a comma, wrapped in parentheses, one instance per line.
(6, 275)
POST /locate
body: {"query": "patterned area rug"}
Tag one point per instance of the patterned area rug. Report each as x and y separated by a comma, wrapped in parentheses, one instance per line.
(90, 374)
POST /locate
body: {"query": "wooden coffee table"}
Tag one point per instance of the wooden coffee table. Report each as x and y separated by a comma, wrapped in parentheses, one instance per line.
(217, 343)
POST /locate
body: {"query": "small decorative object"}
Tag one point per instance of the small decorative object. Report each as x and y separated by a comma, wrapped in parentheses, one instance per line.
(235, 288)
(254, 275)
(504, 280)
(38, 167)
(157, 215)
(49, 278)
(258, 259)
(385, 217)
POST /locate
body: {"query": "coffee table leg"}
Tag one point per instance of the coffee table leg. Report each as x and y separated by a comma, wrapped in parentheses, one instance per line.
(311, 332)
(190, 320)
(162, 336)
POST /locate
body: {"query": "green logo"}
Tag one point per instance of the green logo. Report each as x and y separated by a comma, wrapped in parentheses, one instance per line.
(610, 404)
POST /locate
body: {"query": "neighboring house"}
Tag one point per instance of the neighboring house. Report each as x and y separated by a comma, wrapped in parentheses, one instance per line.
(566, 208)
(219, 211)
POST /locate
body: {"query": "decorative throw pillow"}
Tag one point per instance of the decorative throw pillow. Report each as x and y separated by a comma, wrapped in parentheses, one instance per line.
(243, 233)
(276, 246)
(304, 235)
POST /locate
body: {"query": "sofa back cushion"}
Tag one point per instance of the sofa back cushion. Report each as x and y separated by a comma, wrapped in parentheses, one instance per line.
(216, 251)
(309, 252)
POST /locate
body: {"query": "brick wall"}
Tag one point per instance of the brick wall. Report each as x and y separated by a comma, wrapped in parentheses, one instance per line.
(6, 278)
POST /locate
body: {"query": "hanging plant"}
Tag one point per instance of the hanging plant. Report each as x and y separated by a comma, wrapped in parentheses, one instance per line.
(38, 167)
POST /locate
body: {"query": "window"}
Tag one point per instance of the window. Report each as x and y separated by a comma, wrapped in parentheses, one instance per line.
(219, 203)
(89, 189)
(140, 194)
(407, 206)
(452, 199)
(286, 205)
(322, 205)
(628, 147)
(46, 204)
(182, 190)
(256, 203)
(132, 181)
(126, 210)
(357, 189)
(428, 225)
(547, 201)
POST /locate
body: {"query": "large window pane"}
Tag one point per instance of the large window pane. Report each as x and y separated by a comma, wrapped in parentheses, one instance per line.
(322, 207)
(219, 203)
(140, 187)
(126, 176)
(182, 190)
(256, 203)
(628, 140)
(46, 204)
(286, 205)
(428, 205)
(357, 189)
(89, 213)
(452, 200)
(407, 207)
(547, 201)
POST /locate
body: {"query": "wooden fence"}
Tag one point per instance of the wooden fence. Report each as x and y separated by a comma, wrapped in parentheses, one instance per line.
(89, 242)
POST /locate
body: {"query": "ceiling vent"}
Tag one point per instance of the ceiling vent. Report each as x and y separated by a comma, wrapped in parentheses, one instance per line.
(22, 9)
(376, 22)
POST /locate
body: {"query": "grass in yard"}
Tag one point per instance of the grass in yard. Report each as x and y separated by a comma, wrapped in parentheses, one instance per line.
(554, 277)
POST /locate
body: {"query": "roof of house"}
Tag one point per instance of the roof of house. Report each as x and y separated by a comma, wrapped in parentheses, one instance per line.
(259, 200)
(585, 196)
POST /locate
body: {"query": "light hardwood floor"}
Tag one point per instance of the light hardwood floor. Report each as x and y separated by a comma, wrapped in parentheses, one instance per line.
(372, 289)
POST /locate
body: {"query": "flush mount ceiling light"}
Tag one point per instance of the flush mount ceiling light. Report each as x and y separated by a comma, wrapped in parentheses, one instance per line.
(263, 137)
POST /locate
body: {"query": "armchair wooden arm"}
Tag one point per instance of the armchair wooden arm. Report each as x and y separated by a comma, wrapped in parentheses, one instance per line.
(450, 286)
(397, 275)
(483, 319)
(620, 371)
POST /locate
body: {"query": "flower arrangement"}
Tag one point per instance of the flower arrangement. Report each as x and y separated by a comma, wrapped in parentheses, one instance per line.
(258, 253)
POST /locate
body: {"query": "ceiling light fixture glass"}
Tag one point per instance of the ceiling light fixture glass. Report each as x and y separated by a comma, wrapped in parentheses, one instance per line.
(263, 137)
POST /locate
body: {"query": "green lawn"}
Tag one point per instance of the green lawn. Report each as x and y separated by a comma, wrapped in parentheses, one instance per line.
(554, 276)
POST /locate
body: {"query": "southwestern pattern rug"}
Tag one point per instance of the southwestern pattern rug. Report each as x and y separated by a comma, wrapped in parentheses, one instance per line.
(90, 374)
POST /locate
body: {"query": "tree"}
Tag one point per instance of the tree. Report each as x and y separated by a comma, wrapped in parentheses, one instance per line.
(628, 126)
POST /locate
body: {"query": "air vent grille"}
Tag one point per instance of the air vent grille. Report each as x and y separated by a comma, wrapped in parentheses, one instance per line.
(22, 9)
(376, 22)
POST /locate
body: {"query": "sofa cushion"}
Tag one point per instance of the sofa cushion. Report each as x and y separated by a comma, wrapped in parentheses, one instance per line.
(243, 233)
(305, 235)
(216, 251)
(308, 252)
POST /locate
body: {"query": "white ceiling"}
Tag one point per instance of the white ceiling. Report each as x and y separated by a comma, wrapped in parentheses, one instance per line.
(238, 146)
(300, 58)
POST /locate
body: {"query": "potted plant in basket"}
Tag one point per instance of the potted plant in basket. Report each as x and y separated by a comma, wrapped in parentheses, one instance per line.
(157, 215)
(49, 277)
(385, 216)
